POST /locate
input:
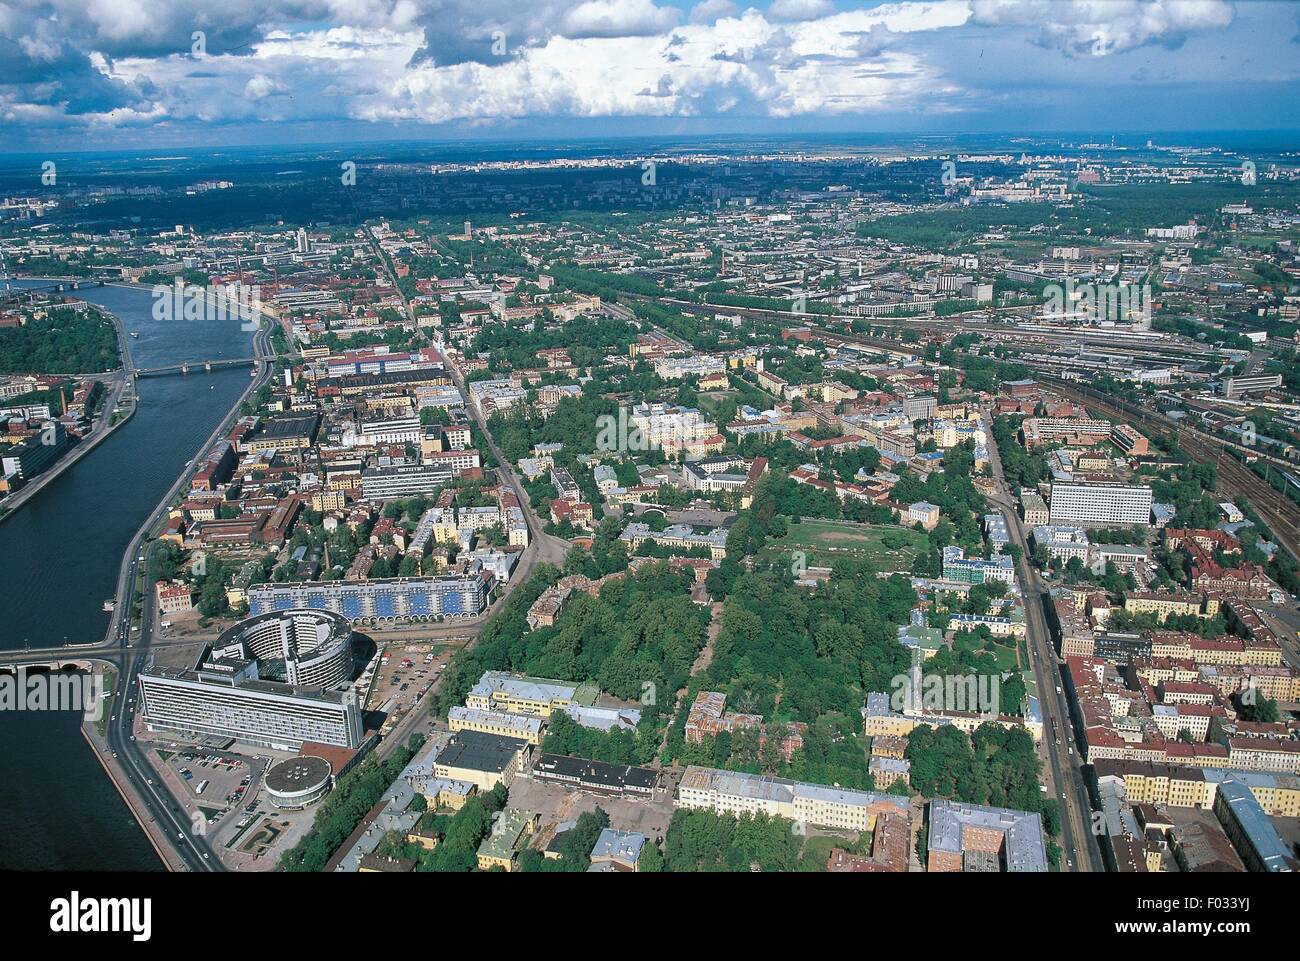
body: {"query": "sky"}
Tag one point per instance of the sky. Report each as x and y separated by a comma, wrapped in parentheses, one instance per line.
(97, 74)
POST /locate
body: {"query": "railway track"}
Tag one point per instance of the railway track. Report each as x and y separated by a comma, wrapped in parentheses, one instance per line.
(1233, 477)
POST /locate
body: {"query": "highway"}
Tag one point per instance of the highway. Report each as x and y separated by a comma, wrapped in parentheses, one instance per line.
(1081, 852)
(133, 656)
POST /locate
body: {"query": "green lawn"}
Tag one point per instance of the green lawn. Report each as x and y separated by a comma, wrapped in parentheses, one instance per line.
(888, 546)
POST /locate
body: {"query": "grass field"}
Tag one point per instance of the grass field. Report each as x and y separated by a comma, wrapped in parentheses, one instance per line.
(888, 546)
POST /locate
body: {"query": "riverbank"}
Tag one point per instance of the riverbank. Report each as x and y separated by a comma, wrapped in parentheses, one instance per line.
(98, 745)
(106, 422)
(60, 556)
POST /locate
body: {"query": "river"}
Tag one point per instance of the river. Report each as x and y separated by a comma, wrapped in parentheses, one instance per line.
(59, 559)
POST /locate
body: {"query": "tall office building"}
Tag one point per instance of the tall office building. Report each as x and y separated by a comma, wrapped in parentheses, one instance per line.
(244, 688)
(1100, 505)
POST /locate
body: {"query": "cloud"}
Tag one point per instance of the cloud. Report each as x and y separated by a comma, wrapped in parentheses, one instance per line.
(618, 18)
(710, 11)
(799, 9)
(1093, 28)
(260, 86)
(129, 62)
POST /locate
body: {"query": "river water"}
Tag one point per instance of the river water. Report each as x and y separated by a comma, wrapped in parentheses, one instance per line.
(59, 559)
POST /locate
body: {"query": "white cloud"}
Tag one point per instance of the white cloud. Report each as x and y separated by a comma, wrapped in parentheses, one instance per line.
(261, 86)
(710, 11)
(618, 18)
(799, 9)
(1102, 27)
(430, 61)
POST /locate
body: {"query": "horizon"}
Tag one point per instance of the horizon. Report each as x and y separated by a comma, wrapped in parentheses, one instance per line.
(129, 79)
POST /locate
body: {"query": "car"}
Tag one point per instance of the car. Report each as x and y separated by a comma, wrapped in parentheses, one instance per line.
(1062, 795)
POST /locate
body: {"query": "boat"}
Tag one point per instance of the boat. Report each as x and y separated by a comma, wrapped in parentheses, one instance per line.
(110, 604)
(135, 333)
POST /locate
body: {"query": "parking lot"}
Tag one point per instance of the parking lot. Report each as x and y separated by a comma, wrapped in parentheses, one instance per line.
(556, 804)
(212, 780)
(404, 673)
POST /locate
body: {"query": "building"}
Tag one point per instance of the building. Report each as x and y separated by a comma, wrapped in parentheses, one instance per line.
(596, 776)
(730, 792)
(221, 700)
(1033, 509)
(509, 833)
(1062, 543)
(518, 694)
(1251, 832)
(298, 782)
(496, 722)
(405, 480)
(891, 844)
(383, 600)
(173, 598)
(483, 760)
(1234, 387)
(708, 717)
(966, 837)
(34, 454)
(976, 570)
(287, 433)
(1164, 604)
(618, 851)
(681, 536)
(1129, 440)
(1100, 505)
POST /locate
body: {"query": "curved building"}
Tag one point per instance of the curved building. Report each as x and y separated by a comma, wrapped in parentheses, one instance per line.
(315, 647)
(298, 782)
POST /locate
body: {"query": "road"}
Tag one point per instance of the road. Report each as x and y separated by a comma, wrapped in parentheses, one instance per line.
(1067, 785)
(133, 656)
(541, 546)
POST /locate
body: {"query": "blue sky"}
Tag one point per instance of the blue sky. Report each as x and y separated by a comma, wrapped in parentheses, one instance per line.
(88, 74)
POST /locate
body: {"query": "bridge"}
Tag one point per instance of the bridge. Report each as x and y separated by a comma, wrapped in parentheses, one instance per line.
(186, 366)
(10, 292)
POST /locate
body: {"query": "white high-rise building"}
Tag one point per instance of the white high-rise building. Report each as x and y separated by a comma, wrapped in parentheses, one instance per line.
(1100, 505)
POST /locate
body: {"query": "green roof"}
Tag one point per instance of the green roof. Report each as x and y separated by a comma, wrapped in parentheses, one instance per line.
(506, 833)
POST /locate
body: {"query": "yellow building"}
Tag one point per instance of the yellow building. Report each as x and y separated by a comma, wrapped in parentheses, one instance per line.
(1166, 603)
(508, 837)
(328, 500)
(483, 760)
(517, 694)
(522, 726)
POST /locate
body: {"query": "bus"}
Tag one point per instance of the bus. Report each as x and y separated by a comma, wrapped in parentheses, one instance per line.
(203, 786)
